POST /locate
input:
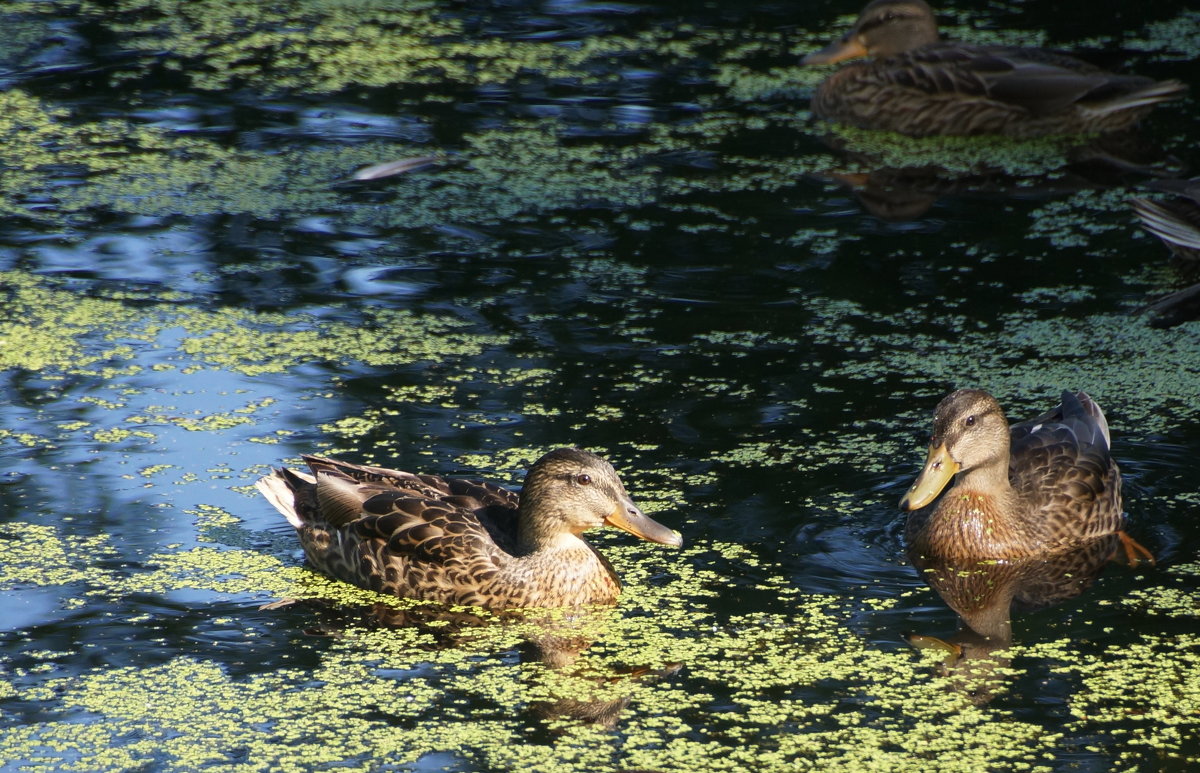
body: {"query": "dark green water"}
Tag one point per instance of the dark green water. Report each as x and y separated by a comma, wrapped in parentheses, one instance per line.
(633, 241)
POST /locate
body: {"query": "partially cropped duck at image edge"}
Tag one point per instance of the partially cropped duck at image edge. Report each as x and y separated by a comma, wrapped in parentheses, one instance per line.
(903, 77)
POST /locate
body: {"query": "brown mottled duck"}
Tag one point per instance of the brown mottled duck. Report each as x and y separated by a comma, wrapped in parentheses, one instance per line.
(1040, 487)
(917, 85)
(464, 542)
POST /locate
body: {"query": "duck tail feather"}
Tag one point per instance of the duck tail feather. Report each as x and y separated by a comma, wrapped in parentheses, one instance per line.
(279, 487)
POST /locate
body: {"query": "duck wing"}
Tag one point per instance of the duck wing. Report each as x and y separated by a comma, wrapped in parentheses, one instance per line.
(396, 532)
(1061, 466)
(427, 532)
(492, 506)
(1041, 82)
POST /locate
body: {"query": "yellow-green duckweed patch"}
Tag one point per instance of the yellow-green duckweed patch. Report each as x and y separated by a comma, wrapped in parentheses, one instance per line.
(1131, 369)
(61, 332)
(634, 238)
(1171, 39)
(385, 696)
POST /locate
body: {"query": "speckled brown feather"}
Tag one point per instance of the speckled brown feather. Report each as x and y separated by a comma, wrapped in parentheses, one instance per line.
(920, 87)
(447, 540)
(1061, 466)
(1063, 487)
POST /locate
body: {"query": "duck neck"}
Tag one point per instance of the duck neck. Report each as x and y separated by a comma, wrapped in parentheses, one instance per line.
(991, 477)
(534, 537)
(554, 553)
(559, 570)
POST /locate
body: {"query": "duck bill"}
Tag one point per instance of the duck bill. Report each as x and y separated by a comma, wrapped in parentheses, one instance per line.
(628, 518)
(849, 47)
(939, 469)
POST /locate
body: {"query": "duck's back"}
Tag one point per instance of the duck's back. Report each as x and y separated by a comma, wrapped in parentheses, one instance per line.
(490, 506)
(1062, 468)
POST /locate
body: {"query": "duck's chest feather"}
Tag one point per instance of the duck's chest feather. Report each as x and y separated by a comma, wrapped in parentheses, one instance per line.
(971, 524)
(572, 574)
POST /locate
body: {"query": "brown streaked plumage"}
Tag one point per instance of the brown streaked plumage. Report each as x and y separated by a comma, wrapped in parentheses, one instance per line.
(1045, 485)
(464, 542)
(917, 85)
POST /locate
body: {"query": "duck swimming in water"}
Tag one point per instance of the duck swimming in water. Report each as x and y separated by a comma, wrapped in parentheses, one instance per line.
(915, 84)
(1042, 486)
(464, 542)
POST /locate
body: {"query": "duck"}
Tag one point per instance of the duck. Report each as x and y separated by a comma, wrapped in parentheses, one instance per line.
(1041, 487)
(917, 85)
(464, 542)
(1176, 221)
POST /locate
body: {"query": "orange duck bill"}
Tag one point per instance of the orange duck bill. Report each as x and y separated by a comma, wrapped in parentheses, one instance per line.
(849, 47)
(940, 468)
(626, 517)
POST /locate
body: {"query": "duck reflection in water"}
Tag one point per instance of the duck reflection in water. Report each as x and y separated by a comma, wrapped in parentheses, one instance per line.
(901, 179)
(562, 688)
(987, 593)
(1034, 514)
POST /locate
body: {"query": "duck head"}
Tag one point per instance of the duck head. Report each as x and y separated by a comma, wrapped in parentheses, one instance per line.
(885, 28)
(970, 435)
(569, 491)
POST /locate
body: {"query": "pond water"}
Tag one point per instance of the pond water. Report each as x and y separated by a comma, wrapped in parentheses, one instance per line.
(633, 238)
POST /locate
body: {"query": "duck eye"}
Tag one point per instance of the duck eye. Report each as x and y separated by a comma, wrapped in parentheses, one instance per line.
(583, 479)
(971, 421)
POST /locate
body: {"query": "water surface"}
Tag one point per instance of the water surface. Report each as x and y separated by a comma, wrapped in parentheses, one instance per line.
(634, 239)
